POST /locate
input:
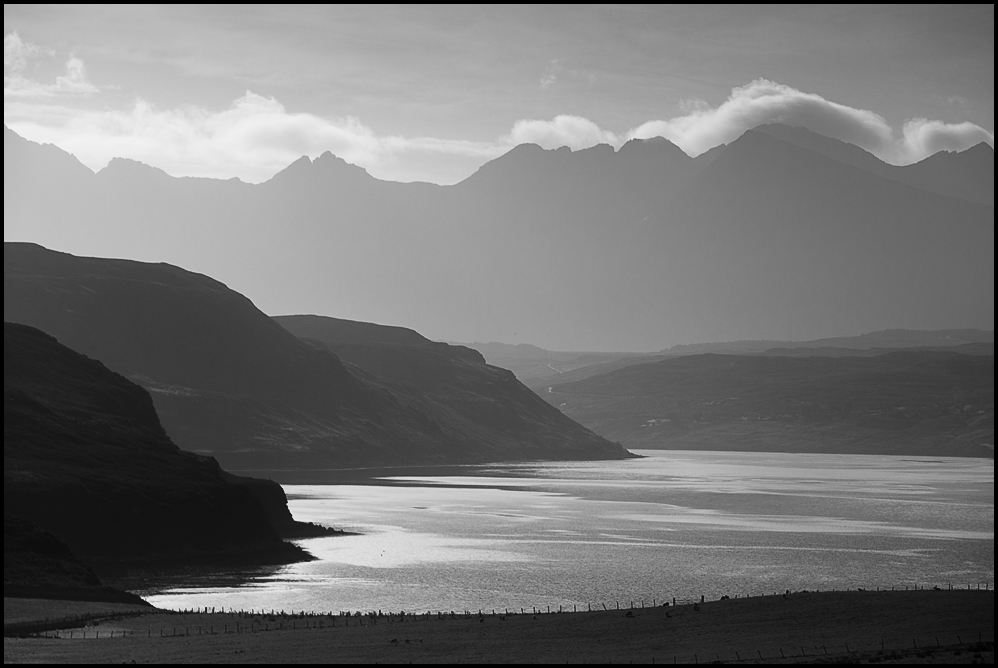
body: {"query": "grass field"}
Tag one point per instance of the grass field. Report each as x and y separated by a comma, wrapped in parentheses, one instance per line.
(911, 627)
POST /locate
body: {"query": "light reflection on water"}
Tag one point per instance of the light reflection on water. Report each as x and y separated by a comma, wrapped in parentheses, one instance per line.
(673, 524)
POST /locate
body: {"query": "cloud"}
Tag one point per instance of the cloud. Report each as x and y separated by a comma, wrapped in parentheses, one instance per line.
(763, 101)
(575, 132)
(550, 74)
(923, 137)
(256, 136)
(75, 79)
(702, 127)
(17, 53)
(253, 139)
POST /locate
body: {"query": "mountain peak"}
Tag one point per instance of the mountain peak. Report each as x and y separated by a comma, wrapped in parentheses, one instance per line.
(327, 167)
(657, 144)
(979, 153)
(127, 167)
(330, 163)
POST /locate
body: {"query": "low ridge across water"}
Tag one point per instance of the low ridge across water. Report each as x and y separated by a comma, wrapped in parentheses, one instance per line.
(674, 524)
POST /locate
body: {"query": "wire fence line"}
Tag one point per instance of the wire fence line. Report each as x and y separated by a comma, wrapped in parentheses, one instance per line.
(263, 621)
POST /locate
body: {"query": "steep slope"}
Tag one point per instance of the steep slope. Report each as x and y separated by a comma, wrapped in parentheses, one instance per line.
(85, 458)
(230, 382)
(635, 249)
(486, 401)
(911, 402)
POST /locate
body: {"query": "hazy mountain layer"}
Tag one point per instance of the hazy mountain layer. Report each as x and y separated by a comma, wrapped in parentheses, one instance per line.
(539, 368)
(85, 458)
(780, 235)
(912, 402)
(530, 363)
(231, 382)
(968, 175)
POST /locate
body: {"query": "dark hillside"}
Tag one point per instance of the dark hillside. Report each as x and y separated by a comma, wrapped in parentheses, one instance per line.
(455, 381)
(229, 381)
(85, 458)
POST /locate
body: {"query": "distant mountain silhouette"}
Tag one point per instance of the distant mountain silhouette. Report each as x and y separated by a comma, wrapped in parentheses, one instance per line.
(910, 402)
(530, 363)
(540, 369)
(231, 382)
(887, 338)
(85, 458)
(780, 235)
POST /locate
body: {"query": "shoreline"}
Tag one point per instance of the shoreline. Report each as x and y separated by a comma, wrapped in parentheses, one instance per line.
(799, 627)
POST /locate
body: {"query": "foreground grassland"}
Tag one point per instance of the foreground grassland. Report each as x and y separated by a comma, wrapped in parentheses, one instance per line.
(909, 627)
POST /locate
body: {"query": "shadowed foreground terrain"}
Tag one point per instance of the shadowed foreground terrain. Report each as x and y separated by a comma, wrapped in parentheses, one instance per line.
(86, 459)
(923, 626)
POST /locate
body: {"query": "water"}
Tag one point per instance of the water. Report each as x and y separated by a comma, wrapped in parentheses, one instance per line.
(675, 524)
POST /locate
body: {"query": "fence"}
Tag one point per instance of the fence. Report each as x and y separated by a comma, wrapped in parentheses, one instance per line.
(262, 621)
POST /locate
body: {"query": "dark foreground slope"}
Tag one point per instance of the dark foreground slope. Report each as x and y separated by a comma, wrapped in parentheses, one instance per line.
(827, 627)
(229, 381)
(485, 402)
(38, 565)
(912, 402)
(85, 458)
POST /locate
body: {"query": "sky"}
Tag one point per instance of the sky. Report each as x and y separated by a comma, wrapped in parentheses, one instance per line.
(432, 93)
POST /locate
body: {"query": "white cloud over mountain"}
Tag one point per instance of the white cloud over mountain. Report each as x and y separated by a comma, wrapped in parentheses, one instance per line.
(763, 101)
(256, 136)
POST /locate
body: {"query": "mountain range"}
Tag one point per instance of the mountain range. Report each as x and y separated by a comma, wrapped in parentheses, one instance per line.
(230, 382)
(782, 234)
